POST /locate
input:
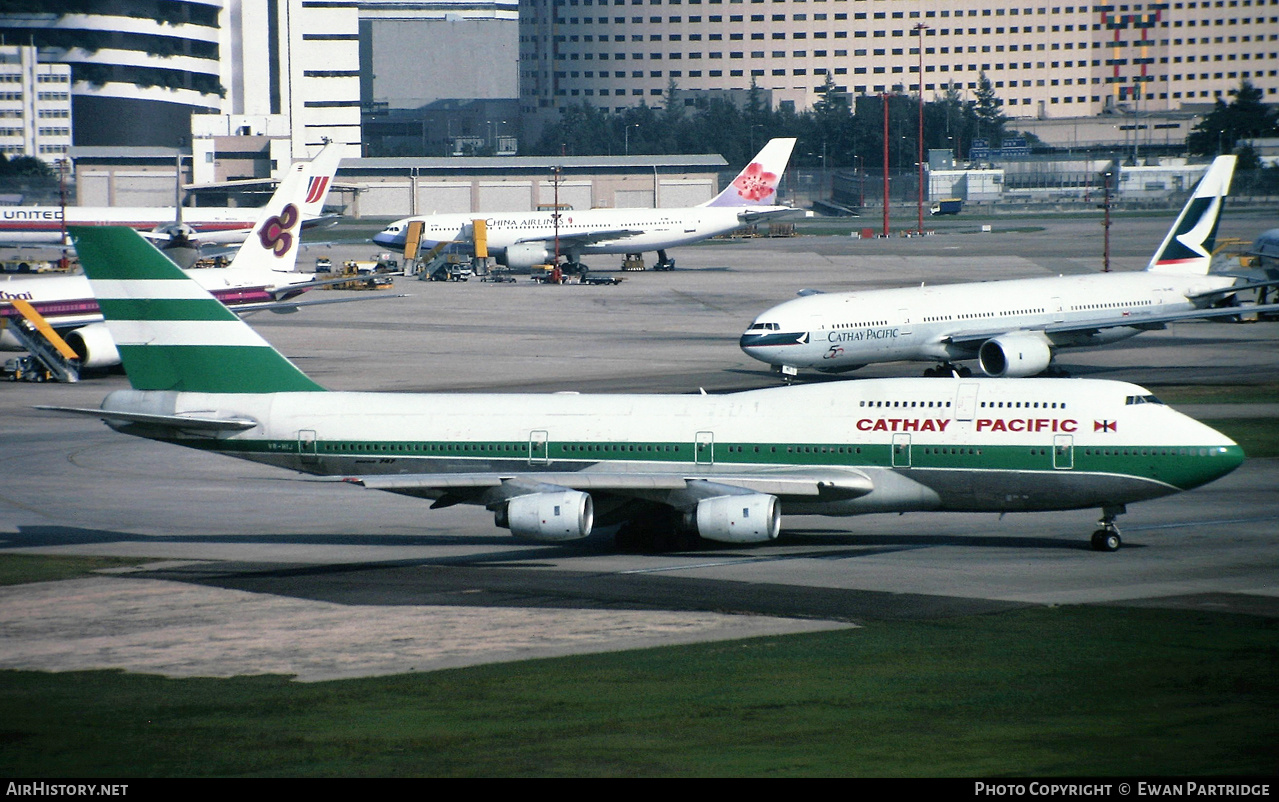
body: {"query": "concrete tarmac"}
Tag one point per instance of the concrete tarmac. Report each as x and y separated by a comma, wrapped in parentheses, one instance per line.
(256, 570)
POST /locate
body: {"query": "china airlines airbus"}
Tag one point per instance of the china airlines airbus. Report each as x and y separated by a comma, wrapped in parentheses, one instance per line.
(665, 468)
(522, 239)
(260, 276)
(1012, 328)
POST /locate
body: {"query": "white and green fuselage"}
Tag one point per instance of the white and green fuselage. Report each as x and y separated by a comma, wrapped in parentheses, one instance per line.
(724, 467)
(977, 445)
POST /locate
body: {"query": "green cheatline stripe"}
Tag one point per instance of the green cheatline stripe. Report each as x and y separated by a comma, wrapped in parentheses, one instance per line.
(213, 369)
(1168, 465)
(115, 252)
(164, 309)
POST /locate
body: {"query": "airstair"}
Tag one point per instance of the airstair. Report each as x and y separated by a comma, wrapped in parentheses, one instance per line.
(50, 356)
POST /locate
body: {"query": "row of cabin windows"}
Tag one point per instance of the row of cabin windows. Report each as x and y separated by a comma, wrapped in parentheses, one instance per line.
(865, 325)
(1023, 405)
(906, 404)
(796, 449)
(1151, 452)
(1118, 305)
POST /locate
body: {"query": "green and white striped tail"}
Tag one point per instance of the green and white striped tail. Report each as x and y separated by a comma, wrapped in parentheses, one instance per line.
(170, 332)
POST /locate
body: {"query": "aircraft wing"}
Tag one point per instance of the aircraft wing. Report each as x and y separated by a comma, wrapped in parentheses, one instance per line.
(452, 488)
(293, 306)
(1138, 321)
(586, 238)
(1224, 291)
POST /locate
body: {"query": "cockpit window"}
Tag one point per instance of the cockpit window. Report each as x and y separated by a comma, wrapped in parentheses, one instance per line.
(1141, 399)
(765, 327)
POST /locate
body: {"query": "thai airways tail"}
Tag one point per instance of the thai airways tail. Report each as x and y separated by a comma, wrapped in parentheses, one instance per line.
(756, 185)
(273, 245)
(1187, 250)
(170, 332)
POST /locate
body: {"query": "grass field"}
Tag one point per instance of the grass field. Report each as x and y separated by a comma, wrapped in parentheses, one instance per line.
(1081, 691)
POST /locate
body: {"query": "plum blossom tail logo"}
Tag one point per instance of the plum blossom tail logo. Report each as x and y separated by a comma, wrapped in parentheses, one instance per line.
(755, 183)
(275, 233)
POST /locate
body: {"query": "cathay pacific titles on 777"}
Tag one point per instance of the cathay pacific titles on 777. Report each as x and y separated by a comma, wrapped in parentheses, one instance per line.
(664, 469)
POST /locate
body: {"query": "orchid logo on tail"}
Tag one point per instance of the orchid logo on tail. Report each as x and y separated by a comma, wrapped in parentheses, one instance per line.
(275, 235)
(755, 183)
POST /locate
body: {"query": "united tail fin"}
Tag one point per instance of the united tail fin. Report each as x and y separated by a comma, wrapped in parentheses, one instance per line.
(1187, 250)
(170, 332)
(273, 245)
(756, 185)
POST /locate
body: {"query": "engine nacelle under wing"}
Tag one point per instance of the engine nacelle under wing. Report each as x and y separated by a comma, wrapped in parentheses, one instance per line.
(1015, 355)
(749, 518)
(94, 346)
(527, 254)
(548, 517)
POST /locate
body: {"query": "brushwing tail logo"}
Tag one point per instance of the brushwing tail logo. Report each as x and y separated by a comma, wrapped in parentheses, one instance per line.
(315, 190)
(755, 183)
(1199, 239)
(276, 235)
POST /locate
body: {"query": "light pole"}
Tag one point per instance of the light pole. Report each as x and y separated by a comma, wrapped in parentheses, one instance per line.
(1105, 205)
(919, 29)
(628, 137)
(884, 102)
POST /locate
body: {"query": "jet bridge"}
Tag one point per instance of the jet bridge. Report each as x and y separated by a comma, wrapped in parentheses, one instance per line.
(49, 355)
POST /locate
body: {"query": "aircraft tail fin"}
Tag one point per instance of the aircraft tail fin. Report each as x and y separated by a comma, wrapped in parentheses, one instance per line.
(170, 332)
(756, 184)
(1187, 249)
(273, 245)
(322, 170)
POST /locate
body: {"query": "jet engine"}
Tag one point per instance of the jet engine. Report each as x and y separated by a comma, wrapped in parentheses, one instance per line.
(750, 518)
(527, 254)
(94, 346)
(1015, 355)
(548, 517)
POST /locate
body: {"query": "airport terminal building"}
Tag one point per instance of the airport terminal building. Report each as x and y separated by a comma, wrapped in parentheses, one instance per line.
(1045, 59)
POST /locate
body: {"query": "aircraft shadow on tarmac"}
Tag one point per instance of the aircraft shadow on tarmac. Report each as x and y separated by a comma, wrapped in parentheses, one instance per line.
(524, 577)
(821, 542)
(519, 584)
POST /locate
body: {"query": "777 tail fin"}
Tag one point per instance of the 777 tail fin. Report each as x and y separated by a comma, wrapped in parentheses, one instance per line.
(1187, 249)
(756, 185)
(170, 332)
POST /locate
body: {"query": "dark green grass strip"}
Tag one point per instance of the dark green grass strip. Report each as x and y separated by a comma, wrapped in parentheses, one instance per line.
(17, 569)
(1259, 437)
(1081, 691)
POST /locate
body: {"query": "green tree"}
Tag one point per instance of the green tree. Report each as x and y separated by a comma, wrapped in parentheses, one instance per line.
(25, 166)
(990, 120)
(1245, 116)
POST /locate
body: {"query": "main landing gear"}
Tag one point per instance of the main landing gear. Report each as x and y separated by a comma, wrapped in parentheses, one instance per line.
(947, 370)
(1107, 537)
